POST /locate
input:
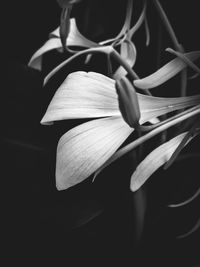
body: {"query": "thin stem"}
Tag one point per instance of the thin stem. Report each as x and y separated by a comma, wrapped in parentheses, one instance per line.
(175, 41)
(196, 194)
(167, 24)
(127, 67)
(100, 49)
(122, 62)
(185, 59)
(178, 118)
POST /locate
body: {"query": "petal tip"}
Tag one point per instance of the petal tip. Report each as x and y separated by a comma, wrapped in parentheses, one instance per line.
(134, 186)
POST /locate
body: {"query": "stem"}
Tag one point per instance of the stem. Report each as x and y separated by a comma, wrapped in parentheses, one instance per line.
(122, 62)
(106, 49)
(175, 41)
(165, 125)
(127, 67)
(167, 24)
(196, 194)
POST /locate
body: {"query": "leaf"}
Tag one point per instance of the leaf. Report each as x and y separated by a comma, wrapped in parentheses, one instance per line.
(128, 53)
(166, 72)
(153, 161)
(82, 150)
(75, 38)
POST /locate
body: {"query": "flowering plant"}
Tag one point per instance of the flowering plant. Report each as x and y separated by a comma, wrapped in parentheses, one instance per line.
(123, 110)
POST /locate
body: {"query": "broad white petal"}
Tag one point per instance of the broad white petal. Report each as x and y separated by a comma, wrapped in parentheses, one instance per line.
(82, 150)
(83, 95)
(154, 160)
(92, 95)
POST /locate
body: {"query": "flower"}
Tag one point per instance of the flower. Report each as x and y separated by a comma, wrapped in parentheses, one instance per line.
(85, 148)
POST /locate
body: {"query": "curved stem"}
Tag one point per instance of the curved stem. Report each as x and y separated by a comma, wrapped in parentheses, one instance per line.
(165, 125)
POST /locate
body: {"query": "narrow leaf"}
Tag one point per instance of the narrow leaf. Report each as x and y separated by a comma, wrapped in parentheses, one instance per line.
(166, 72)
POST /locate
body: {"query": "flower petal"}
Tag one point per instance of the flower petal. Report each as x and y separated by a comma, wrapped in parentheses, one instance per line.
(82, 150)
(153, 161)
(152, 107)
(75, 38)
(166, 72)
(93, 95)
(36, 60)
(83, 95)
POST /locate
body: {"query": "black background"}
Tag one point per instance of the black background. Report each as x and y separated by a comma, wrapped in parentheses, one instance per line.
(90, 224)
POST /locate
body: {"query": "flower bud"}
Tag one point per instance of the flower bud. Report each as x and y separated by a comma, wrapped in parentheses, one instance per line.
(128, 102)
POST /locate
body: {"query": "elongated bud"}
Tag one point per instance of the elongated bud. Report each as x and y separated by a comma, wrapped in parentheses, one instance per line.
(128, 102)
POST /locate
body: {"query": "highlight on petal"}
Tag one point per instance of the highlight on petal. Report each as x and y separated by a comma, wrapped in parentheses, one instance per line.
(75, 38)
(153, 161)
(82, 150)
(83, 95)
(166, 72)
(91, 95)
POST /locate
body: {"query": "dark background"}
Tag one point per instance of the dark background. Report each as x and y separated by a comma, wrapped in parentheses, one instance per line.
(90, 224)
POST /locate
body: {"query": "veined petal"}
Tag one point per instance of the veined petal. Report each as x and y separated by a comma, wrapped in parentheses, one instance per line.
(92, 95)
(82, 150)
(83, 95)
(154, 160)
(166, 72)
(75, 38)
(152, 107)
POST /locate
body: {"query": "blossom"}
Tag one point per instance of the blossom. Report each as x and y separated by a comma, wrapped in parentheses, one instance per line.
(84, 149)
